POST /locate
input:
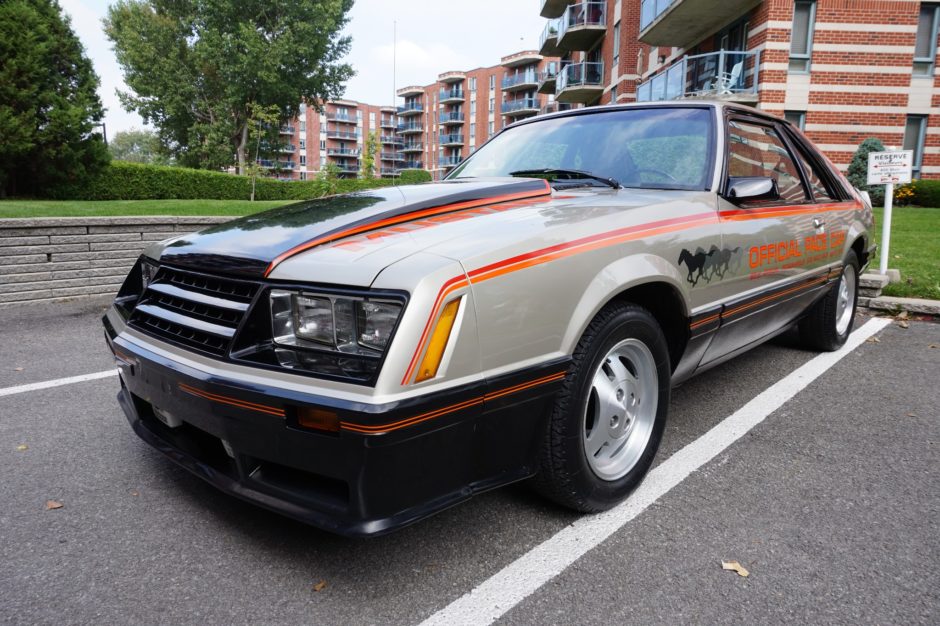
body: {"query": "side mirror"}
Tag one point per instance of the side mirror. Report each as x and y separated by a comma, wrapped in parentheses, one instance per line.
(749, 188)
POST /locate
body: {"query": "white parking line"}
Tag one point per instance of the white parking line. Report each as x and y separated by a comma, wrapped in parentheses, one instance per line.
(524, 576)
(58, 382)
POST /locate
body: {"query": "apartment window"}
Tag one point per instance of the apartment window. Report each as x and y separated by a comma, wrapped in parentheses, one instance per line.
(303, 127)
(372, 120)
(303, 159)
(473, 84)
(617, 44)
(323, 144)
(492, 82)
(797, 118)
(801, 38)
(303, 176)
(473, 108)
(303, 144)
(492, 104)
(492, 128)
(473, 129)
(925, 46)
(915, 133)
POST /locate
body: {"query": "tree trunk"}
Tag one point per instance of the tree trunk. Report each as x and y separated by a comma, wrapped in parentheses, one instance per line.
(242, 150)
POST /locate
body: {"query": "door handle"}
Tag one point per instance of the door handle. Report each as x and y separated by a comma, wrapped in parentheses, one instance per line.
(818, 223)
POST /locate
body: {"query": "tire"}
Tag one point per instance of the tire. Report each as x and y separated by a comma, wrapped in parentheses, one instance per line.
(596, 452)
(829, 322)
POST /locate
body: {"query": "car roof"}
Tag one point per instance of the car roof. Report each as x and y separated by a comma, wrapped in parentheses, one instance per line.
(666, 104)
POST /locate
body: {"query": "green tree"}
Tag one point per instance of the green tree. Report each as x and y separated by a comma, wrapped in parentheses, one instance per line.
(329, 174)
(262, 137)
(196, 67)
(137, 146)
(858, 170)
(49, 106)
(368, 156)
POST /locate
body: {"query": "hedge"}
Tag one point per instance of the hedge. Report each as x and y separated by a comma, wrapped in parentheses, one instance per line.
(122, 180)
(924, 193)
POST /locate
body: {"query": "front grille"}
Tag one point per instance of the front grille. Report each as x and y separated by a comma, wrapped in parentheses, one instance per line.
(194, 310)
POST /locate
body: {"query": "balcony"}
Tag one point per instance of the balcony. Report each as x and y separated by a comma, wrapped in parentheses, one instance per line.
(452, 95)
(412, 165)
(281, 165)
(547, 80)
(453, 139)
(416, 146)
(347, 168)
(341, 118)
(408, 129)
(286, 130)
(335, 133)
(392, 140)
(410, 108)
(389, 171)
(343, 152)
(548, 42)
(388, 122)
(555, 107)
(287, 147)
(522, 80)
(683, 23)
(521, 107)
(730, 76)
(450, 118)
(553, 8)
(391, 156)
(580, 82)
(450, 161)
(582, 25)
(451, 77)
(520, 59)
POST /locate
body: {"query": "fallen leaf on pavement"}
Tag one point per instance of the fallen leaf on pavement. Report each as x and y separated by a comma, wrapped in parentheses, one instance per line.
(17, 369)
(902, 315)
(22, 447)
(903, 324)
(135, 493)
(734, 566)
(932, 346)
(52, 504)
(912, 414)
(873, 340)
(320, 586)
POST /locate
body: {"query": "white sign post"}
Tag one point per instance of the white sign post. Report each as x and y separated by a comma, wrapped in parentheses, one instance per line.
(888, 168)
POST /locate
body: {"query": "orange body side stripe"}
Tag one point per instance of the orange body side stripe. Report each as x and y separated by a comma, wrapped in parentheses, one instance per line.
(242, 404)
(749, 305)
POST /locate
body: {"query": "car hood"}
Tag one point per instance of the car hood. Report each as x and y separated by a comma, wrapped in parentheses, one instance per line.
(253, 246)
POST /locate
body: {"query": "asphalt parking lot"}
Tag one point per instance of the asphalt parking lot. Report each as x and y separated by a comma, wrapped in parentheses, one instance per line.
(831, 502)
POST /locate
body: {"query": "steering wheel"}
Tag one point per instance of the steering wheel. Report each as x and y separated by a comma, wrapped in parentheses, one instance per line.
(650, 170)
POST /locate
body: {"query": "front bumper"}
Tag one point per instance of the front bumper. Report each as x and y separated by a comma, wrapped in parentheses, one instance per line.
(389, 465)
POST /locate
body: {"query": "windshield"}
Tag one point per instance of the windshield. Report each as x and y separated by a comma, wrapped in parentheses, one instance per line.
(655, 148)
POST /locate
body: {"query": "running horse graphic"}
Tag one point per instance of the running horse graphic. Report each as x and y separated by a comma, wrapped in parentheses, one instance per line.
(695, 263)
(707, 265)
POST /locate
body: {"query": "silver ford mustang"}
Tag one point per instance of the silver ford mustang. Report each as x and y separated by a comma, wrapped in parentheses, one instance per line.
(360, 362)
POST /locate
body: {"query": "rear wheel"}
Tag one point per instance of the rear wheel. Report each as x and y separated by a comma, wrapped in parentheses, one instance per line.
(609, 417)
(829, 323)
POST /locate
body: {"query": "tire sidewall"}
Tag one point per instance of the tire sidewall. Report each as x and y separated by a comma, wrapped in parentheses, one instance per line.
(626, 323)
(851, 261)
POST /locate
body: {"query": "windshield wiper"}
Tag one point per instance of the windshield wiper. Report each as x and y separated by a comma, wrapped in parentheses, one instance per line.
(610, 182)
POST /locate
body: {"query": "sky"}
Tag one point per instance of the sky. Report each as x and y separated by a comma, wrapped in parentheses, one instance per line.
(433, 36)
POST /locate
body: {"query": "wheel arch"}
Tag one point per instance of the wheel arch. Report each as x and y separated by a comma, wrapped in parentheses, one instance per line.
(646, 280)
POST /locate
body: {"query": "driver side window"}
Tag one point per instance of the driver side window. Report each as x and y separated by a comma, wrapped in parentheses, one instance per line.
(756, 150)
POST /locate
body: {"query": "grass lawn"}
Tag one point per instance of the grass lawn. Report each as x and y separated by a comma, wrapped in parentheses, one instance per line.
(117, 208)
(914, 250)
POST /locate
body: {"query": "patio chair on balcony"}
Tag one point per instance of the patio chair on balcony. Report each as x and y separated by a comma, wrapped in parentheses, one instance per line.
(730, 82)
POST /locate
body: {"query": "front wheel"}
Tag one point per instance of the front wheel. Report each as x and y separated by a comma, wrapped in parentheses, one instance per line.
(609, 417)
(829, 323)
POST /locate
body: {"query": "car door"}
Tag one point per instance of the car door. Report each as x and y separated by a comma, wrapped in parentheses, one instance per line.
(766, 275)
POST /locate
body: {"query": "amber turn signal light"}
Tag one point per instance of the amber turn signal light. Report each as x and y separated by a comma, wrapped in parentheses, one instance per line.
(317, 419)
(435, 352)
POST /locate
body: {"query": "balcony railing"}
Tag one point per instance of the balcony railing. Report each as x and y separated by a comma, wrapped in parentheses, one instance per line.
(580, 75)
(547, 80)
(283, 165)
(452, 139)
(343, 152)
(520, 79)
(388, 122)
(724, 75)
(519, 106)
(391, 156)
(548, 42)
(451, 117)
(414, 127)
(412, 165)
(651, 9)
(392, 139)
(337, 117)
(414, 146)
(449, 161)
(411, 108)
(389, 171)
(451, 95)
(335, 133)
(582, 25)
(286, 130)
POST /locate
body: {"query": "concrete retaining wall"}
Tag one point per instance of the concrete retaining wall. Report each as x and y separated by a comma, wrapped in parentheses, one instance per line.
(44, 259)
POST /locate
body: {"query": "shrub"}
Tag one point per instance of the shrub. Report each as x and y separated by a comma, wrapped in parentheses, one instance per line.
(413, 177)
(137, 181)
(924, 192)
(858, 170)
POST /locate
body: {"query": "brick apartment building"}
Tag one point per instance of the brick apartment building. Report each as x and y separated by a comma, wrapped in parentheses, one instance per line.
(843, 70)
(436, 126)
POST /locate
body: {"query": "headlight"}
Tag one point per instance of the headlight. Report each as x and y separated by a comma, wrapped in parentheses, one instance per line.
(345, 324)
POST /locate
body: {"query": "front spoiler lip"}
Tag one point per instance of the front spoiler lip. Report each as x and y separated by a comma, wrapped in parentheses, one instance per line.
(323, 521)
